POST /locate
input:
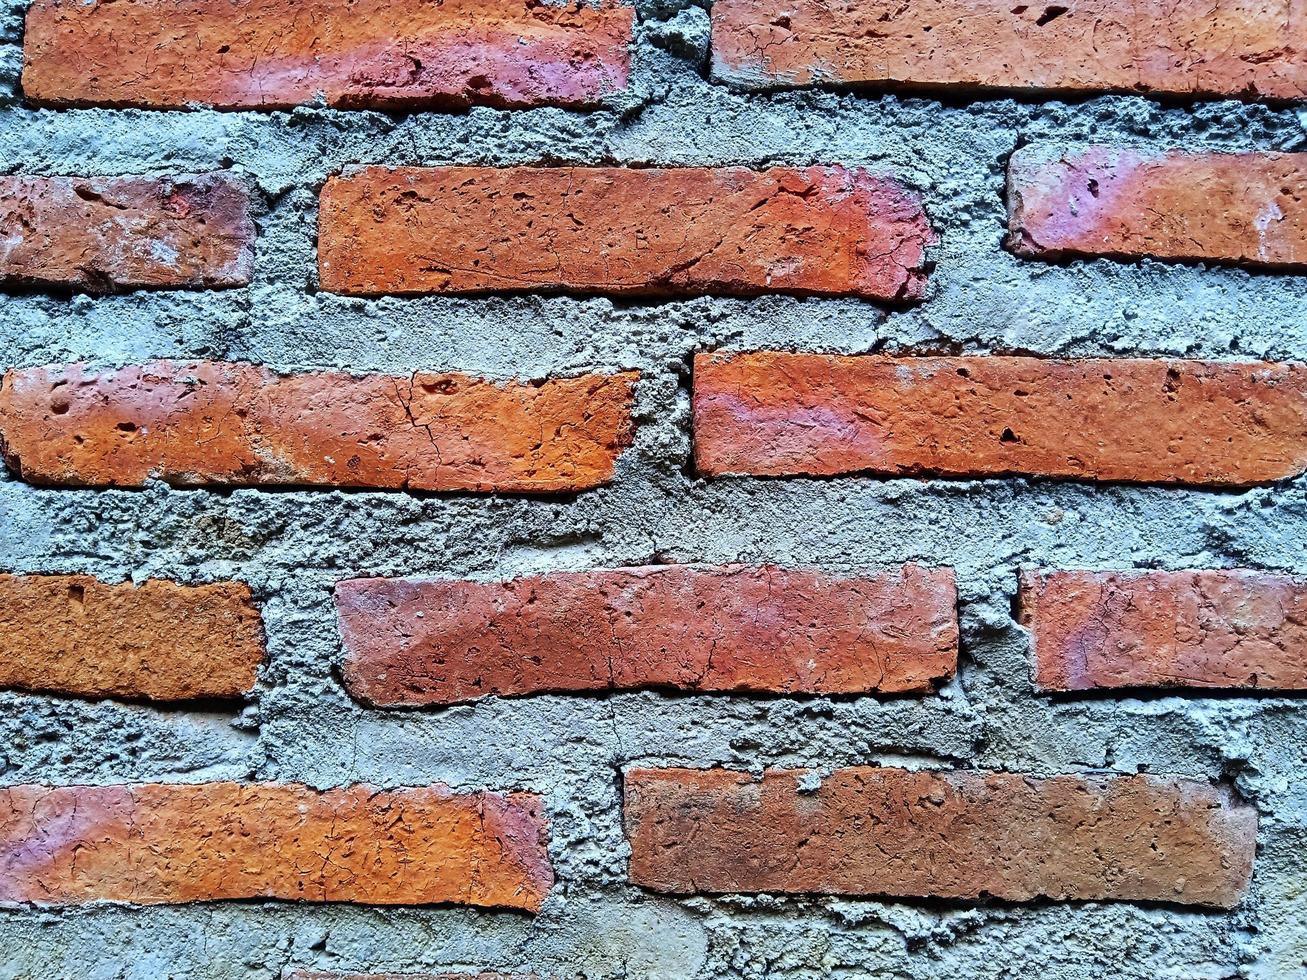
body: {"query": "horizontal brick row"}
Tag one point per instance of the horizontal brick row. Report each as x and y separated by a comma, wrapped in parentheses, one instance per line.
(735, 629)
(218, 424)
(1161, 47)
(822, 230)
(362, 54)
(859, 831)
(719, 630)
(1195, 423)
(1197, 629)
(516, 53)
(960, 835)
(72, 634)
(165, 844)
(1139, 421)
(101, 234)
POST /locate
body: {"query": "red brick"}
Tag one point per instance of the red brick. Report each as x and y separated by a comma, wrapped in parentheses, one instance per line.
(732, 629)
(829, 231)
(210, 423)
(1243, 208)
(101, 234)
(380, 54)
(1176, 422)
(957, 835)
(166, 844)
(1223, 629)
(72, 634)
(1241, 49)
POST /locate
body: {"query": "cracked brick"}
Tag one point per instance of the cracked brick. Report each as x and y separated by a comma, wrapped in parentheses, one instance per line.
(210, 423)
(830, 231)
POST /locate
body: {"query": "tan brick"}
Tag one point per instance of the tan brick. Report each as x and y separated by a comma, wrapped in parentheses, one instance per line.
(164, 844)
(72, 634)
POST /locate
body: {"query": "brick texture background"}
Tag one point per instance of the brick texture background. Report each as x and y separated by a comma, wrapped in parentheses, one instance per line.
(652, 489)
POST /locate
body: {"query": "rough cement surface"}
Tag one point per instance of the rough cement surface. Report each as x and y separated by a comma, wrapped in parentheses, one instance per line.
(292, 547)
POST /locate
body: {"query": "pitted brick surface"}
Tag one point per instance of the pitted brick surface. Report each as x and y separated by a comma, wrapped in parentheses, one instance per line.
(1221, 629)
(207, 423)
(382, 54)
(101, 234)
(1240, 49)
(832, 231)
(1244, 208)
(1177, 422)
(72, 634)
(868, 831)
(168, 844)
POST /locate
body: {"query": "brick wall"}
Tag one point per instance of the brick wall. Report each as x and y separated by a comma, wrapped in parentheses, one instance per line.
(652, 489)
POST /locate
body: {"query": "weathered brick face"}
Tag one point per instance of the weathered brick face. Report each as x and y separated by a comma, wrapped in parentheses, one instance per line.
(72, 634)
(207, 423)
(1221, 629)
(1239, 50)
(653, 474)
(1242, 208)
(382, 54)
(1178, 422)
(764, 630)
(940, 835)
(101, 234)
(168, 844)
(831, 231)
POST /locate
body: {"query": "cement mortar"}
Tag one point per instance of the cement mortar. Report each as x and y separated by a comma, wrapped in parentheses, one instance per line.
(291, 546)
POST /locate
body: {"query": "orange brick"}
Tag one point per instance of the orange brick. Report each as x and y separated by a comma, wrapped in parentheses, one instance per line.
(829, 231)
(1243, 208)
(1239, 48)
(1222, 629)
(376, 54)
(959, 835)
(165, 844)
(72, 634)
(1176, 422)
(738, 629)
(211, 423)
(101, 234)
